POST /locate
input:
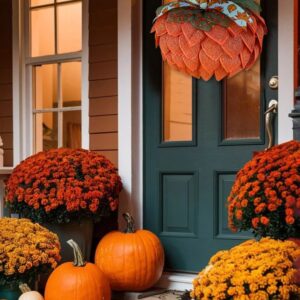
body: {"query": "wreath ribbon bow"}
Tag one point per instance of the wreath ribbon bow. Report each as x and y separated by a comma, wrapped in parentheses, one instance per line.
(231, 9)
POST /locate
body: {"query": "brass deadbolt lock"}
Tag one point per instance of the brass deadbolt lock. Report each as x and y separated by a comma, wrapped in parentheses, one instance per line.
(274, 83)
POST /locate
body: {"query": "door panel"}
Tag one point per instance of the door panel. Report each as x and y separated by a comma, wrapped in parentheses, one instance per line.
(188, 172)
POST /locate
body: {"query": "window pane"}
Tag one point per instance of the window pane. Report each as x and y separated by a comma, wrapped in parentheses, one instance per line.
(69, 27)
(71, 83)
(42, 31)
(40, 2)
(177, 105)
(45, 131)
(242, 105)
(45, 86)
(72, 129)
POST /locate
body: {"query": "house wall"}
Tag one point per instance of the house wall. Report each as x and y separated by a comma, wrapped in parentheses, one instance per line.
(6, 124)
(103, 88)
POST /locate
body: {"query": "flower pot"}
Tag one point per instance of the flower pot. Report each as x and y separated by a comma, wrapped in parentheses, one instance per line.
(79, 231)
(12, 293)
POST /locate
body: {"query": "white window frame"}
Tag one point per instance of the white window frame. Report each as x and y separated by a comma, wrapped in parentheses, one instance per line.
(22, 81)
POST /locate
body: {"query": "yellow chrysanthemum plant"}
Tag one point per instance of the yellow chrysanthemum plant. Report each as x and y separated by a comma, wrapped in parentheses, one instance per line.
(254, 270)
(26, 249)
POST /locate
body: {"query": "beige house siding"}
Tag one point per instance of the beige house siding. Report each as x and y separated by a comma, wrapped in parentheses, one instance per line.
(6, 124)
(103, 78)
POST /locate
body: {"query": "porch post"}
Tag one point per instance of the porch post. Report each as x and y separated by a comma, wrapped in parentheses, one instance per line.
(295, 115)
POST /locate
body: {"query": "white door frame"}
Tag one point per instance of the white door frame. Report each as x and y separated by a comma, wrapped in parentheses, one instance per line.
(130, 103)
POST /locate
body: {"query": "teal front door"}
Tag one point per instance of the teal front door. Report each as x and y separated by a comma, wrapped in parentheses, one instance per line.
(197, 135)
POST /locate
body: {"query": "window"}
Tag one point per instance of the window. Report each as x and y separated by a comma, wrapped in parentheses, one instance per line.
(54, 72)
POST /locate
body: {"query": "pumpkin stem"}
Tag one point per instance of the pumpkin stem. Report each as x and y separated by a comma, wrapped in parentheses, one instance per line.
(130, 223)
(78, 257)
(24, 288)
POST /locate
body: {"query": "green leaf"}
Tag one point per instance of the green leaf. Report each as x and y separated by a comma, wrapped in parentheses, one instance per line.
(249, 4)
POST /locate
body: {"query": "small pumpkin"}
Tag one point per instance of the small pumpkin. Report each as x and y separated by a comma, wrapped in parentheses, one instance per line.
(28, 294)
(131, 260)
(79, 280)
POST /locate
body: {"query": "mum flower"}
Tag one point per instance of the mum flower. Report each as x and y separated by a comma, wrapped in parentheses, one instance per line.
(266, 194)
(63, 184)
(252, 270)
(25, 248)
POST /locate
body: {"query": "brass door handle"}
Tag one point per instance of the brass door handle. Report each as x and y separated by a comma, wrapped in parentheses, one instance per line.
(269, 119)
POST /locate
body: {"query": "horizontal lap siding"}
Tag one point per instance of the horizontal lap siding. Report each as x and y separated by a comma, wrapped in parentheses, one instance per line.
(103, 78)
(6, 123)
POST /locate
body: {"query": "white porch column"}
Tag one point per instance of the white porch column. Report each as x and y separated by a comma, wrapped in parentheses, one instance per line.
(285, 68)
(130, 107)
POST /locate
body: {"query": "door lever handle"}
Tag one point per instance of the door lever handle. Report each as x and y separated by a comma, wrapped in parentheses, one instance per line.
(269, 120)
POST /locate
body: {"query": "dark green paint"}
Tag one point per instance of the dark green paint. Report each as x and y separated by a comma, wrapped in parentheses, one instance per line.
(191, 222)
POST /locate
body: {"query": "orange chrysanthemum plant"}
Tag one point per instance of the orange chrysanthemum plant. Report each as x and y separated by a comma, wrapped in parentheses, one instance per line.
(265, 197)
(26, 249)
(206, 38)
(63, 184)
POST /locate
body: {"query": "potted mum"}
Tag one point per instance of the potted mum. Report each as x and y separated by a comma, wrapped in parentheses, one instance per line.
(265, 197)
(26, 250)
(261, 270)
(72, 187)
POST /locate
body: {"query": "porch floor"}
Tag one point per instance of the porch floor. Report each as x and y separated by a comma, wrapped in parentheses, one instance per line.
(157, 294)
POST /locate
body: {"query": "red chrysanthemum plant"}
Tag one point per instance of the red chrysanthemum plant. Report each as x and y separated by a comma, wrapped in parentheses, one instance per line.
(63, 184)
(265, 197)
(208, 38)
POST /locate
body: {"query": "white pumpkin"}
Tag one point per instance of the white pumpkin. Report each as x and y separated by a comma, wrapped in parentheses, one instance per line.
(28, 294)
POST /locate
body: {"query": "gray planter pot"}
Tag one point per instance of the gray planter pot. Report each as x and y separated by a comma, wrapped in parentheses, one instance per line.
(81, 232)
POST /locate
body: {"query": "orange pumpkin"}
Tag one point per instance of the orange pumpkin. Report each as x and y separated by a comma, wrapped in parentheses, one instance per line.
(77, 281)
(133, 260)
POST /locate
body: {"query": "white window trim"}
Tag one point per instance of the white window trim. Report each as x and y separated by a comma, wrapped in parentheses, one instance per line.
(22, 108)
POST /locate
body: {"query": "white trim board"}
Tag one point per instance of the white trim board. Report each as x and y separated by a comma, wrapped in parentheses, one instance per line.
(285, 69)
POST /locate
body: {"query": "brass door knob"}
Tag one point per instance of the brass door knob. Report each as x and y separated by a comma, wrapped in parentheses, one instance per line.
(274, 83)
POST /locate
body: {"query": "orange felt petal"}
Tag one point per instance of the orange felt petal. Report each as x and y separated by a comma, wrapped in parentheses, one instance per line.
(178, 61)
(233, 46)
(163, 45)
(173, 44)
(218, 34)
(251, 62)
(169, 59)
(230, 64)
(188, 52)
(207, 63)
(188, 30)
(205, 75)
(220, 73)
(235, 71)
(173, 29)
(253, 25)
(235, 30)
(192, 35)
(159, 27)
(191, 64)
(260, 35)
(249, 39)
(245, 57)
(212, 49)
(256, 52)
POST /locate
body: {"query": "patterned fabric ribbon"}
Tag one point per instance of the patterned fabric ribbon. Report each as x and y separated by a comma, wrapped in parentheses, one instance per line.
(229, 8)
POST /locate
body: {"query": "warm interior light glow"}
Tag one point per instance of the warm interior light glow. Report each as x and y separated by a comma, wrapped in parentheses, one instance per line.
(42, 31)
(69, 29)
(177, 105)
(69, 23)
(71, 83)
